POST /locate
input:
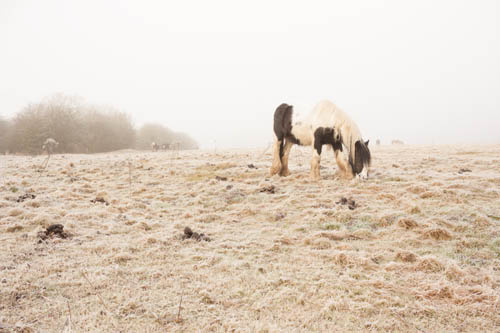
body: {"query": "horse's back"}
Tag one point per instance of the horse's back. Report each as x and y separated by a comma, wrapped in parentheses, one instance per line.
(324, 114)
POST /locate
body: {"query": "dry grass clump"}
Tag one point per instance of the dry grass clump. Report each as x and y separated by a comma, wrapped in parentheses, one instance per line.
(441, 293)
(467, 153)
(407, 223)
(14, 228)
(429, 265)
(33, 203)
(363, 234)
(386, 221)
(429, 194)
(335, 236)
(343, 259)
(454, 273)
(415, 210)
(5, 203)
(388, 196)
(15, 212)
(437, 234)
(344, 217)
(321, 244)
(481, 222)
(406, 256)
(216, 167)
(416, 189)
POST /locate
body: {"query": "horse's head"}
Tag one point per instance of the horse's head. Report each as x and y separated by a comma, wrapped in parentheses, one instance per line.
(362, 160)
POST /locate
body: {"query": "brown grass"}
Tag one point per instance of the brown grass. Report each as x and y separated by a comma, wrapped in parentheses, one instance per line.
(419, 253)
(407, 223)
(406, 256)
(438, 234)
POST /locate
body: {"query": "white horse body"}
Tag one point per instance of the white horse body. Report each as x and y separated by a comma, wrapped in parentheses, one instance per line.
(326, 114)
(326, 124)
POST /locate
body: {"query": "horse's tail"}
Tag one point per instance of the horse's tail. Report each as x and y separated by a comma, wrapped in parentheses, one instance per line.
(283, 123)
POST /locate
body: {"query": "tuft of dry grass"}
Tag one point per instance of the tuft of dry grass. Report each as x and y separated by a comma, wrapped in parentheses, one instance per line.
(438, 234)
(15, 212)
(407, 223)
(406, 256)
(429, 265)
(14, 228)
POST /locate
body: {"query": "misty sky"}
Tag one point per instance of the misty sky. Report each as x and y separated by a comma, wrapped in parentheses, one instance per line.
(420, 71)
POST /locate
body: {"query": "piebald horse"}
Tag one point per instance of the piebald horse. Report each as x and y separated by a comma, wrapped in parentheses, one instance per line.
(325, 125)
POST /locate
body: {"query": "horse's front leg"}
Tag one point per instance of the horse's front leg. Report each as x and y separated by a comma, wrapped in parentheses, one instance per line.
(315, 161)
(343, 164)
(276, 167)
(284, 160)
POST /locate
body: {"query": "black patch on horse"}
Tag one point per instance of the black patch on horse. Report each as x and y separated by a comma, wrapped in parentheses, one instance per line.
(362, 156)
(325, 136)
(283, 121)
(283, 124)
(290, 137)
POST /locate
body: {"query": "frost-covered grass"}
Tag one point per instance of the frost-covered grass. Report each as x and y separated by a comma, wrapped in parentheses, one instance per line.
(420, 252)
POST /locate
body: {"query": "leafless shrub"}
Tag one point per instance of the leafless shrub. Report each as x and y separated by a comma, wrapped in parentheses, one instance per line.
(78, 127)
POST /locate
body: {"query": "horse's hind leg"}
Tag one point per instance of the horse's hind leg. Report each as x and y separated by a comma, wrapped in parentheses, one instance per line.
(315, 160)
(276, 167)
(284, 160)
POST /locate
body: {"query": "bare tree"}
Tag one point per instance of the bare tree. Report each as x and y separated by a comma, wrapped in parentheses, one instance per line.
(107, 130)
(5, 133)
(82, 128)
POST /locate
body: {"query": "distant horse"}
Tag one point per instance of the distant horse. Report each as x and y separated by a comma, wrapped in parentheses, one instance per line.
(165, 146)
(325, 125)
(48, 146)
(154, 146)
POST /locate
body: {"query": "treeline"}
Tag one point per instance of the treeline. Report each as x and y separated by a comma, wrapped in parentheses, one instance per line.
(160, 134)
(80, 128)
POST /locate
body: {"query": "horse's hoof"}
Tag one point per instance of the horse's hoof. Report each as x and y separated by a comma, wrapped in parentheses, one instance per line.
(274, 171)
(315, 178)
(285, 173)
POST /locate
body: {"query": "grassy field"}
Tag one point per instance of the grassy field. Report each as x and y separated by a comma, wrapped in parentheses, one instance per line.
(419, 251)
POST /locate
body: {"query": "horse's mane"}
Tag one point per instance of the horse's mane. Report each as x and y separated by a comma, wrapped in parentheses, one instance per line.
(359, 154)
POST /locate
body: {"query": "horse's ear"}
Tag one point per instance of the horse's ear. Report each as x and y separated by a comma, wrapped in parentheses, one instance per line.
(367, 142)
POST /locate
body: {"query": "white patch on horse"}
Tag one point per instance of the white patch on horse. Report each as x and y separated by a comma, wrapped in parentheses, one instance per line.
(363, 174)
(302, 132)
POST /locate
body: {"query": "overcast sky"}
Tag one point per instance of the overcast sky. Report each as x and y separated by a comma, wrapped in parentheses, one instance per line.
(419, 71)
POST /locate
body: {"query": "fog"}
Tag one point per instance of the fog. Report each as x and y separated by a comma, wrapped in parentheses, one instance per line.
(422, 72)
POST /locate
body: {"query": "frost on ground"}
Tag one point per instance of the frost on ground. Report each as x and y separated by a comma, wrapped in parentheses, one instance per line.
(418, 252)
